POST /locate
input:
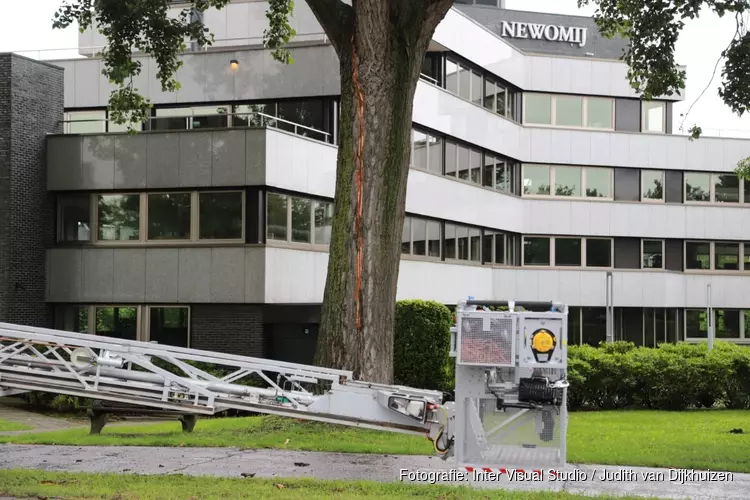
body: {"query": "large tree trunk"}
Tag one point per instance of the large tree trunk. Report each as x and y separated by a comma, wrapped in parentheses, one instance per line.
(381, 45)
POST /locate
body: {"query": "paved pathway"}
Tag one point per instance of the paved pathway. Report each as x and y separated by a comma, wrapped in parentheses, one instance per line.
(234, 462)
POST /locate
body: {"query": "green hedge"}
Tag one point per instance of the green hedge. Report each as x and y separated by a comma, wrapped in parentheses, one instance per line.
(669, 377)
(422, 345)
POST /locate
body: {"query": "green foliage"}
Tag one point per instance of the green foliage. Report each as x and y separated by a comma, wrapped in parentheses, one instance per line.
(57, 402)
(743, 169)
(279, 30)
(147, 27)
(422, 345)
(669, 377)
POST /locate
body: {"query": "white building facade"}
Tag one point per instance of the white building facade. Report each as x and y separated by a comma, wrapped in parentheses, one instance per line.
(537, 174)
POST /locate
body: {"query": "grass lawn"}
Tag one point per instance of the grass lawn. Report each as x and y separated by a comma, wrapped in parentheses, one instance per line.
(37, 484)
(12, 426)
(695, 439)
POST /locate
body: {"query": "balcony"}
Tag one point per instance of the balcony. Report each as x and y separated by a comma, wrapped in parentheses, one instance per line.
(266, 151)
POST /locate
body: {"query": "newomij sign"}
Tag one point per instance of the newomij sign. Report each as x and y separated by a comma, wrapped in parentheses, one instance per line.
(548, 32)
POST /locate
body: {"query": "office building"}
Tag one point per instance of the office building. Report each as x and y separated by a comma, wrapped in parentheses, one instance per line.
(537, 174)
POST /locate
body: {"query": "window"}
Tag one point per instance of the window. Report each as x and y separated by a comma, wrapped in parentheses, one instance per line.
(427, 152)
(697, 187)
(653, 254)
(726, 188)
(696, 324)
(726, 256)
(571, 111)
(276, 220)
(652, 185)
(746, 256)
(697, 255)
(164, 324)
(536, 251)
(598, 252)
(118, 322)
(568, 111)
(433, 239)
(323, 222)
(727, 323)
(536, 179)
(169, 216)
(74, 218)
(72, 319)
(85, 122)
(301, 220)
(598, 182)
(169, 325)
(119, 217)
(406, 236)
(538, 109)
(450, 241)
(568, 252)
(221, 215)
(462, 243)
(654, 116)
(475, 245)
(419, 236)
(451, 76)
(567, 181)
(499, 98)
(306, 112)
(600, 113)
(298, 220)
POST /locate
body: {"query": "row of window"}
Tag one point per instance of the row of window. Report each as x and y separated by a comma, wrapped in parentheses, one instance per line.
(444, 156)
(569, 251)
(568, 181)
(306, 117)
(596, 113)
(188, 216)
(472, 83)
(164, 324)
(219, 216)
(650, 326)
(601, 182)
(293, 219)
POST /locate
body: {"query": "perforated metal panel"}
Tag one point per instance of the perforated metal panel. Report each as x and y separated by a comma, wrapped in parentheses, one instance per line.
(486, 339)
(512, 437)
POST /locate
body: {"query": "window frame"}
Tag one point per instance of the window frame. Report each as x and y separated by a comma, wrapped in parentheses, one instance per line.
(456, 259)
(663, 256)
(744, 333)
(410, 254)
(661, 200)
(663, 105)
(143, 217)
(712, 178)
(584, 169)
(143, 317)
(584, 112)
(288, 241)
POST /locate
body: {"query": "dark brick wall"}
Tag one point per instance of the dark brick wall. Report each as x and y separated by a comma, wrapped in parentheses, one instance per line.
(31, 106)
(233, 329)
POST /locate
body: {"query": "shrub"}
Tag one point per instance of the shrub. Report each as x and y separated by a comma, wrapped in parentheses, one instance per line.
(422, 345)
(668, 377)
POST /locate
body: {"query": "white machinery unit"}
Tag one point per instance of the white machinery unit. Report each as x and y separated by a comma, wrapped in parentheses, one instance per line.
(510, 384)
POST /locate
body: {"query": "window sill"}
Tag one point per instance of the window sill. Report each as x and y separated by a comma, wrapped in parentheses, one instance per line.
(546, 197)
(569, 127)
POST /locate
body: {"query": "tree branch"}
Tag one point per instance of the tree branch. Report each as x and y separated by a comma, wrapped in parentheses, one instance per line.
(336, 18)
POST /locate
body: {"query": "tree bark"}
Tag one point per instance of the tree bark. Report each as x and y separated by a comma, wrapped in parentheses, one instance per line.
(381, 45)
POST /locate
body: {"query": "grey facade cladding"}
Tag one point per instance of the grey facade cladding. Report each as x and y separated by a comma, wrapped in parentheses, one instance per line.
(31, 106)
(596, 46)
(232, 329)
